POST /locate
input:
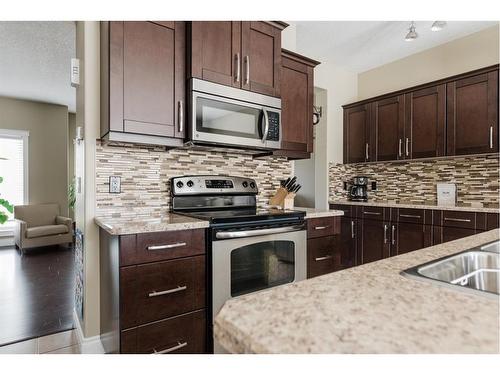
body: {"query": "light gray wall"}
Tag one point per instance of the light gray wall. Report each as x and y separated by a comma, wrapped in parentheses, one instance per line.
(48, 147)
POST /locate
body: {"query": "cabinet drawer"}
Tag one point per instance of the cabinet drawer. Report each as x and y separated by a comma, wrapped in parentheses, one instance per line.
(184, 334)
(374, 213)
(458, 219)
(322, 256)
(409, 215)
(153, 247)
(323, 226)
(349, 211)
(160, 290)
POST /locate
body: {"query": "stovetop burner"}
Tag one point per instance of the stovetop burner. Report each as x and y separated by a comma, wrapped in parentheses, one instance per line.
(225, 200)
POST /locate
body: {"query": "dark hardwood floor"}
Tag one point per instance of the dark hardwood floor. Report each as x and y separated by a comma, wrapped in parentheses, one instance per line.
(36, 292)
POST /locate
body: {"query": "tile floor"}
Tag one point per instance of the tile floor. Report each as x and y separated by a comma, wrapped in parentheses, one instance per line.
(60, 343)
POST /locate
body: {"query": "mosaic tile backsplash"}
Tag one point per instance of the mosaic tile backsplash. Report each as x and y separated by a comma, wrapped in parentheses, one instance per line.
(476, 177)
(145, 172)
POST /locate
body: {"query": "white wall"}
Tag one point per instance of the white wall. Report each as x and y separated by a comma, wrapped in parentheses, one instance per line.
(458, 56)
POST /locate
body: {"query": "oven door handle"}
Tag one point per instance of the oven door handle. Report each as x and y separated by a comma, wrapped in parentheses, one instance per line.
(257, 232)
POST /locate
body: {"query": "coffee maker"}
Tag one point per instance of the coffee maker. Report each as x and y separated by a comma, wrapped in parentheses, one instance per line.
(358, 189)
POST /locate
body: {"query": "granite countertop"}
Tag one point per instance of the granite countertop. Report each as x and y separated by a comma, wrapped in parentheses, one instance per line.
(318, 212)
(133, 225)
(426, 206)
(365, 309)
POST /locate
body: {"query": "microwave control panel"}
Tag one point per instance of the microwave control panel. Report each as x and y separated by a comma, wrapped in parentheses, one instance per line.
(273, 134)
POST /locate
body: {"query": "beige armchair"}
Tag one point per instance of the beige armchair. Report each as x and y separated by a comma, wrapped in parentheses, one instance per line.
(41, 225)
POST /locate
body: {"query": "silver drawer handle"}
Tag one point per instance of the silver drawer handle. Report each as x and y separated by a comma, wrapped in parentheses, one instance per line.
(169, 291)
(459, 220)
(371, 213)
(172, 349)
(321, 228)
(319, 259)
(169, 246)
(410, 216)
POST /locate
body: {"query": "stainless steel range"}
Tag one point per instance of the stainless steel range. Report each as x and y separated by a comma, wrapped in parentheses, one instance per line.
(249, 249)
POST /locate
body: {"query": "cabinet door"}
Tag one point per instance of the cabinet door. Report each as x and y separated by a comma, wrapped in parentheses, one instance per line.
(261, 53)
(406, 237)
(216, 52)
(150, 61)
(388, 123)
(472, 105)
(357, 134)
(425, 123)
(297, 105)
(347, 242)
(445, 234)
(373, 241)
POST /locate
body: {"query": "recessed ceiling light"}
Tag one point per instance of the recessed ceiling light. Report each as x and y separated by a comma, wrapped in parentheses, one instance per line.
(438, 25)
(412, 34)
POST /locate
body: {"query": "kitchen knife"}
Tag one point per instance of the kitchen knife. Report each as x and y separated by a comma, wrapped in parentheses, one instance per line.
(286, 182)
(292, 188)
(297, 188)
(292, 181)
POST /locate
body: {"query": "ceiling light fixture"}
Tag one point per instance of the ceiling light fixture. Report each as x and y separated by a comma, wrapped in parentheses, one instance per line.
(438, 25)
(412, 34)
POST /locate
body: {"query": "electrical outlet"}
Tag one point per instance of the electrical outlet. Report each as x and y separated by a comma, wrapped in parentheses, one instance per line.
(114, 184)
(374, 185)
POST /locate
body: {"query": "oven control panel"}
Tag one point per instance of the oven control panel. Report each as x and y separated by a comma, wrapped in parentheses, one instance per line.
(199, 185)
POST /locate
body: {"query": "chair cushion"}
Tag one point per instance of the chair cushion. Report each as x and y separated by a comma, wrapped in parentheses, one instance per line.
(46, 230)
(36, 215)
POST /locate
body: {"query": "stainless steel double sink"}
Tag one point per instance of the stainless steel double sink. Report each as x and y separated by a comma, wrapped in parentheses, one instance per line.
(476, 270)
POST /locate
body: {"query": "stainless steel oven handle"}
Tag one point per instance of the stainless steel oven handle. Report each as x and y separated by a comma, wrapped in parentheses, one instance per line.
(266, 126)
(257, 232)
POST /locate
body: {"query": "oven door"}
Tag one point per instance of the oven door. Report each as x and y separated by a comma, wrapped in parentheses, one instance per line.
(244, 261)
(224, 121)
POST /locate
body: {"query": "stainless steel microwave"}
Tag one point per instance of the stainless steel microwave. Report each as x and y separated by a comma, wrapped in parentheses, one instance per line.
(228, 116)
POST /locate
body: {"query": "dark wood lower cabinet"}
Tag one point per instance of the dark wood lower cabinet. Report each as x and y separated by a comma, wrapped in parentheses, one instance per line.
(406, 237)
(184, 334)
(322, 256)
(373, 240)
(347, 241)
(445, 234)
(153, 292)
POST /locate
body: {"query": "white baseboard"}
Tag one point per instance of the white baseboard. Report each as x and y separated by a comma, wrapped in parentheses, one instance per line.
(6, 241)
(88, 345)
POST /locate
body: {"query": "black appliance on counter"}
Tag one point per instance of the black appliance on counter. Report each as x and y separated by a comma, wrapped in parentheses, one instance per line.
(358, 189)
(248, 248)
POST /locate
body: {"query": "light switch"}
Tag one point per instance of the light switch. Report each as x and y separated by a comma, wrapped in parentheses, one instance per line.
(114, 184)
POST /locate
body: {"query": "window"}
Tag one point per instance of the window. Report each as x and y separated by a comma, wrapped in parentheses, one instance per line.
(14, 167)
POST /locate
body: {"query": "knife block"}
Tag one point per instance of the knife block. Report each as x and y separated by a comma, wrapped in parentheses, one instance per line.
(279, 197)
(283, 198)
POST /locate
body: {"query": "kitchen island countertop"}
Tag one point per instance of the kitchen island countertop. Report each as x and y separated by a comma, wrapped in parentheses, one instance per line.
(366, 309)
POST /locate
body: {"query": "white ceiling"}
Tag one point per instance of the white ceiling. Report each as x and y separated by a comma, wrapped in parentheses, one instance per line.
(35, 61)
(362, 45)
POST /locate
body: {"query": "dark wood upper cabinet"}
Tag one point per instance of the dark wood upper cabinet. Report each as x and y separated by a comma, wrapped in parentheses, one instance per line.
(244, 54)
(215, 51)
(143, 81)
(473, 114)
(425, 123)
(453, 116)
(297, 96)
(357, 134)
(261, 57)
(388, 124)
